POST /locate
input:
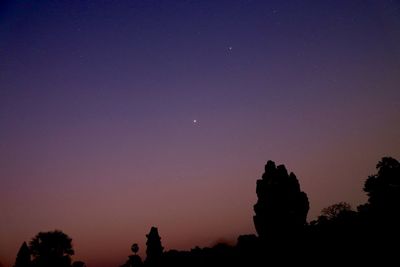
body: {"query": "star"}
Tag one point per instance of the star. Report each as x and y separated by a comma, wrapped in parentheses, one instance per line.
(194, 121)
(230, 48)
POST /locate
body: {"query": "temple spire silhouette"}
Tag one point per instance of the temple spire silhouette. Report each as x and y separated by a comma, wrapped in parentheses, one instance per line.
(154, 249)
(281, 207)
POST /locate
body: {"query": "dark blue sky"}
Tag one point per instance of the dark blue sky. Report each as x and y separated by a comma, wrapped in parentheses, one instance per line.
(98, 101)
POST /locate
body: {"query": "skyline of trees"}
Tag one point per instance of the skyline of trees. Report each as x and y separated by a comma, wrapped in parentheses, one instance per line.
(280, 214)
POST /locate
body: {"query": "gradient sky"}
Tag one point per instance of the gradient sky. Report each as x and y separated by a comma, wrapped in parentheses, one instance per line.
(98, 99)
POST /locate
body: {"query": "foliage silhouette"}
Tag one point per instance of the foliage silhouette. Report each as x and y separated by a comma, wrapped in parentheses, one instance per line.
(23, 257)
(380, 217)
(78, 264)
(135, 248)
(340, 234)
(133, 260)
(366, 236)
(338, 220)
(51, 249)
(336, 210)
(383, 190)
(281, 207)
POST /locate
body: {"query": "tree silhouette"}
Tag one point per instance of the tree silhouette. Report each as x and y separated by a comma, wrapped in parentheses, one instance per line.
(133, 260)
(381, 215)
(135, 248)
(280, 221)
(338, 219)
(382, 212)
(336, 210)
(23, 257)
(154, 249)
(51, 249)
(281, 207)
(383, 188)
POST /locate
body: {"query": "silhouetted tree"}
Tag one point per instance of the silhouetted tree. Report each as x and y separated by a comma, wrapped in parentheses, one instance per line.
(338, 219)
(281, 207)
(50, 249)
(133, 260)
(336, 210)
(135, 248)
(383, 190)
(23, 257)
(381, 215)
(373, 229)
(154, 249)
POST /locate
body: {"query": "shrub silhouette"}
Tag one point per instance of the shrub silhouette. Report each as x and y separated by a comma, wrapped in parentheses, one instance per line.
(133, 261)
(281, 207)
(78, 264)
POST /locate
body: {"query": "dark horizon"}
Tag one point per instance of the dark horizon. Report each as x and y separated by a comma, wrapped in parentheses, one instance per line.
(119, 115)
(340, 233)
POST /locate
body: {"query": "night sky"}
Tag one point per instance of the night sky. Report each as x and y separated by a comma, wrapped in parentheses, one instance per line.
(119, 115)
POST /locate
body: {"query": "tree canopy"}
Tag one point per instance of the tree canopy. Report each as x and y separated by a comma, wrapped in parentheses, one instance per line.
(383, 188)
(51, 249)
